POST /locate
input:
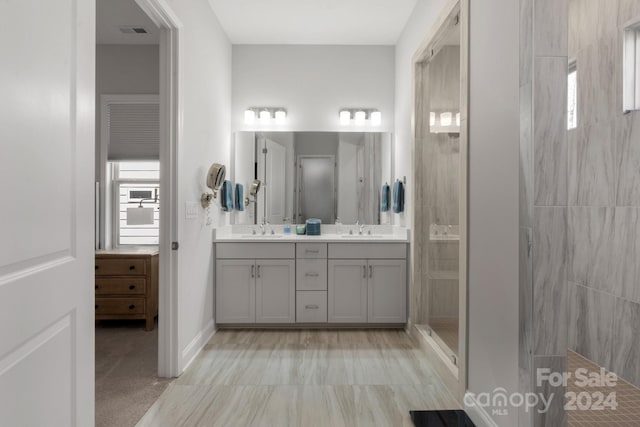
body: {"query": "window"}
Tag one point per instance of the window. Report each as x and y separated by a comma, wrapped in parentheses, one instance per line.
(631, 68)
(133, 183)
(572, 97)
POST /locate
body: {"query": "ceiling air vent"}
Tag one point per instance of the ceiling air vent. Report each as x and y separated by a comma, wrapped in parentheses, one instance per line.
(133, 30)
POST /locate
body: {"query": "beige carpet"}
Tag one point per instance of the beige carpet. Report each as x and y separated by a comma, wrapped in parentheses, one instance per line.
(127, 383)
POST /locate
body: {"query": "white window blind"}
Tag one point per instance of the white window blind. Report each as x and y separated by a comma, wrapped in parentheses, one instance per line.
(132, 128)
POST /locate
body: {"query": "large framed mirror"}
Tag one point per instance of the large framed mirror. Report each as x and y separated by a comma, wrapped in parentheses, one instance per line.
(327, 175)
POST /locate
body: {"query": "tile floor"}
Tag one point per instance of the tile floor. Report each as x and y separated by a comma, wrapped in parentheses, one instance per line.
(303, 378)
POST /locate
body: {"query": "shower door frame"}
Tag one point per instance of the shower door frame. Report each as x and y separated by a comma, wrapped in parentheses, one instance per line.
(453, 9)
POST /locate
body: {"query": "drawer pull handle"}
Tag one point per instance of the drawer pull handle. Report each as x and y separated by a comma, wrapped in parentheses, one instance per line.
(132, 267)
(132, 287)
(131, 307)
(312, 306)
(253, 269)
(370, 271)
(312, 275)
(312, 251)
(258, 271)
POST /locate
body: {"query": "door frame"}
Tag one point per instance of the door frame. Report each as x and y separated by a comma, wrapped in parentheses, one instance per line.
(424, 51)
(171, 108)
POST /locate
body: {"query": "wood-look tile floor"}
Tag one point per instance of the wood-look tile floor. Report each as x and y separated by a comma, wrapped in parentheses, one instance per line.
(303, 378)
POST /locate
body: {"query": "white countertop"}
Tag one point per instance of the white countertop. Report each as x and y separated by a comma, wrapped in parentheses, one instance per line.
(244, 233)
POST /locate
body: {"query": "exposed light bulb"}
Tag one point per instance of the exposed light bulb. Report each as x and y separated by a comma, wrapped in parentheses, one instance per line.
(265, 117)
(458, 119)
(249, 117)
(446, 119)
(376, 118)
(345, 117)
(432, 118)
(361, 117)
(281, 117)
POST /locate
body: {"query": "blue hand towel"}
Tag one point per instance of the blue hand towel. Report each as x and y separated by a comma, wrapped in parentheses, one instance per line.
(398, 197)
(239, 197)
(384, 198)
(226, 196)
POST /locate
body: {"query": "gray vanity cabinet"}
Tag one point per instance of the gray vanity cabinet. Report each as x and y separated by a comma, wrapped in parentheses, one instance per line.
(275, 291)
(235, 291)
(347, 291)
(367, 283)
(255, 283)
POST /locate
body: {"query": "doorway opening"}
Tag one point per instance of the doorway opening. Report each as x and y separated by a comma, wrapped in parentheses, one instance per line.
(136, 209)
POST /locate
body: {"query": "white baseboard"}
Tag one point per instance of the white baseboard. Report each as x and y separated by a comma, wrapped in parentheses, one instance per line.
(195, 346)
(477, 413)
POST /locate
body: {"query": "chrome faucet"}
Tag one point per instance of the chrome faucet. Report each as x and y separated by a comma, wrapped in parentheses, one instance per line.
(263, 227)
(360, 227)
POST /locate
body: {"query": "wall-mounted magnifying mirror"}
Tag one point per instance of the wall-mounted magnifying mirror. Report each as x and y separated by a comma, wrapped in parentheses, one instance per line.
(215, 178)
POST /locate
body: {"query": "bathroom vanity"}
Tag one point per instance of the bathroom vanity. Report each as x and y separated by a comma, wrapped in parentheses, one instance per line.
(277, 279)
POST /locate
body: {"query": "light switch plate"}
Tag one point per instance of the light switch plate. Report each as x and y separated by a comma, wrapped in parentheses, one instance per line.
(191, 210)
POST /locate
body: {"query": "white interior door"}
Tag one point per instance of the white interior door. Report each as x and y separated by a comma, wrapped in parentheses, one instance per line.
(46, 228)
(276, 174)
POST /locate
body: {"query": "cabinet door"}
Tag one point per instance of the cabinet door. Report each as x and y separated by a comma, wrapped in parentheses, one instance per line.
(347, 297)
(275, 291)
(387, 291)
(235, 291)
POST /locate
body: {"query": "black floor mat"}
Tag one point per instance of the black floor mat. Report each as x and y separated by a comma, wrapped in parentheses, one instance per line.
(441, 419)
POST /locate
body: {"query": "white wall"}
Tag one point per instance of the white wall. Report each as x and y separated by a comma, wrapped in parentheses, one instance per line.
(422, 19)
(493, 199)
(205, 83)
(313, 83)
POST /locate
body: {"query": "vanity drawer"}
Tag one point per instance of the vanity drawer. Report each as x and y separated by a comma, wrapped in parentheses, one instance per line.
(120, 267)
(311, 250)
(367, 250)
(255, 250)
(120, 286)
(120, 306)
(311, 307)
(311, 275)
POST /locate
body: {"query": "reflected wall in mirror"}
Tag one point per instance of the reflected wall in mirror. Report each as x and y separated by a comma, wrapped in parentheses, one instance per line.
(325, 175)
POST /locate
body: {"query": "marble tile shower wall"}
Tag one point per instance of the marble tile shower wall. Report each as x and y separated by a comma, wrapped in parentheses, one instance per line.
(604, 194)
(579, 195)
(544, 195)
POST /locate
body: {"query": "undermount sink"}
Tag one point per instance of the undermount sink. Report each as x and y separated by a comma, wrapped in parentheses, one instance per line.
(361, 236)
(261, 236)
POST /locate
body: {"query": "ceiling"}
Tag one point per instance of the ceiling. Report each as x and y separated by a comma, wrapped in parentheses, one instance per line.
(343, 22)
(112, 14)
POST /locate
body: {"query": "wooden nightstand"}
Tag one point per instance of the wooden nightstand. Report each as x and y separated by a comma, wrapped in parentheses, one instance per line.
(126, 284)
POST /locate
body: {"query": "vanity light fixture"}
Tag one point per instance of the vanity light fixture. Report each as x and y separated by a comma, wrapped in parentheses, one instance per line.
(249, 117)
(376, 118)
(265, 117)
(345, 117)
(281, 117)
(432, 118)
(361, 117)
(446, 119)
(458, 119)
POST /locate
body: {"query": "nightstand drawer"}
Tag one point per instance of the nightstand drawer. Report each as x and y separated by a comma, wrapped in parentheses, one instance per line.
(120, 267)
(120, 306)
(120, 286)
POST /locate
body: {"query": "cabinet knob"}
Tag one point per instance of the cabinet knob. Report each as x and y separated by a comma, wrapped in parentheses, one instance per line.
(131, 307)
(96, 287)
(96, 267)
(132, 287)
(96, 306)
(132, 267)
